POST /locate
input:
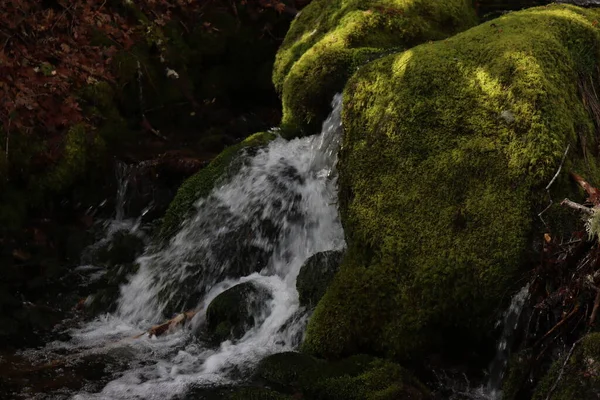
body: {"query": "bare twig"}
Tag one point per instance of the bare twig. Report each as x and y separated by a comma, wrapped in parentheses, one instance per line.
(7, 141)
(562, 161)
(562, 370)
(145, 123)
(560, 323)
(161, 329)
(62, 16)
(577, 206)
(559, 167)
(595, 309)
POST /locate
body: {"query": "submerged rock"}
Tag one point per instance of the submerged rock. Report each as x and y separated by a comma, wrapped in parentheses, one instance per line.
(359, 377)
(439, 193)
(235, 311)
(330, 39)
(316, 275)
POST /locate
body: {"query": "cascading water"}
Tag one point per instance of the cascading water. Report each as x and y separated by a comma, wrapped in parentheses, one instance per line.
(492, 390)
(510, 325)
(261, 226)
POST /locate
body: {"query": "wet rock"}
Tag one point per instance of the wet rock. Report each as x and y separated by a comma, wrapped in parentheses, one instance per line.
(235, 311)
(316, 275)
(358, 377)
(120, 248)
(106, 290)
(235, 393)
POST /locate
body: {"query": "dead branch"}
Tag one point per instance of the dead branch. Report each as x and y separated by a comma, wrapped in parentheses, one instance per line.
(577, 206)
(159, 330)
(593, 193)
(145, 123)
(7, 140)
(562, 370)
(562, 161)
(595, 309)
(558, 325)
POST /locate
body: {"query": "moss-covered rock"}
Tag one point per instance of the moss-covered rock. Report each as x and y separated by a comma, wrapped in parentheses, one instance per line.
(358, 377)
(316, 275)
(201, 184)
(577, 377)
(232, 313)
(516, 375)
(235, 393)
(447, 151)
(330, 39)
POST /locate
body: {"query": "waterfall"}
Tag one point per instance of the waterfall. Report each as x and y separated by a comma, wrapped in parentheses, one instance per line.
(510, 322)
(261, 225)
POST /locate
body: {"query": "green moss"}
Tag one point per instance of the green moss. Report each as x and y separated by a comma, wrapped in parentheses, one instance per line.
(47, 69)
(446, 152)
(79, 148)
(101, 104)
(359, 377)
(201, 184)
(518, 371)
(255, 394)
(580, 377)
(330, 39)
(235, 393)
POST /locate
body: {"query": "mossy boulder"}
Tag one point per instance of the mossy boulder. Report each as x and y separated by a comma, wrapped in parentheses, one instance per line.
(203, 182)
(235, 311)
(235, 393)
(330, 39)
(447, 151)
(577, 377)
(316, 275)
(359, 377)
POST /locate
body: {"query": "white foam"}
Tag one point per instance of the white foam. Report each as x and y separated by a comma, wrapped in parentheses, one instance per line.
(290, 185)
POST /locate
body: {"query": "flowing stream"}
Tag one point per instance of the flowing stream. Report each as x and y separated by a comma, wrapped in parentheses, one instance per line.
(277, 210)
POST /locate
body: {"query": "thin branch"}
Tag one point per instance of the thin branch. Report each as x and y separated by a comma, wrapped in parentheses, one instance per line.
(595, 309)
(7, 140)
(62, 16)
(577, 206)
(560, 323)
(562, 370)
(562, 161)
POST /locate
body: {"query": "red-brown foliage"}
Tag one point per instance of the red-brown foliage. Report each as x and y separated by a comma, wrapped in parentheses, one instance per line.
(48, 52)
